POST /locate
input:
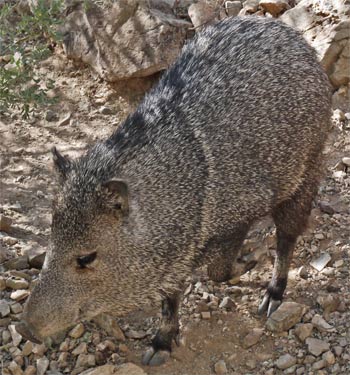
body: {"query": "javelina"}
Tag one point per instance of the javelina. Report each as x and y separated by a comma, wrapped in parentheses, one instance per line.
(233, 131)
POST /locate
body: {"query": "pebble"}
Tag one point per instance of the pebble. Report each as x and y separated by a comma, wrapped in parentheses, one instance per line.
(303, 331)
(77, 331)
(286, 361)
(133, 334)
(220, 367)
(42, 364)
(321, 262)
(321, 324)
(110, 325)
(30, 370)
(316, 346)
(205, 315)
(286, 316)
(17, 284)
(51, 116)
(16, 337)
(2, 283)
(19, 295)
(65, 120)
(319, 364)
(252, 338)
(346, 161)
(15, 368)
(227, 304)
(4, 308)
(233, 8)
(5, 223)
(274, 7)
(80, 349)
(27, 348)
(16, 308)
(329, 357)
(19, 263)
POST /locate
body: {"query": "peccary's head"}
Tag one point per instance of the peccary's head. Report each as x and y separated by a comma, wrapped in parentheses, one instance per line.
(82, 275)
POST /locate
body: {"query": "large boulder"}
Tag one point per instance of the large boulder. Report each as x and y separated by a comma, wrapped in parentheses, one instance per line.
(127, 40)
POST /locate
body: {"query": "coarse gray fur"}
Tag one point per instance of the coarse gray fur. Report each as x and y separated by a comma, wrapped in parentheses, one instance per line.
(233, 131)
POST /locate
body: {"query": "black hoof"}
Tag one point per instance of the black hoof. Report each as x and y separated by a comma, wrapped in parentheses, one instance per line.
(268, 305)
(155, 358)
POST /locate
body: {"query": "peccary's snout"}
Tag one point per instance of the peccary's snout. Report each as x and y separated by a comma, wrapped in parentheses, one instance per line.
(24, 330)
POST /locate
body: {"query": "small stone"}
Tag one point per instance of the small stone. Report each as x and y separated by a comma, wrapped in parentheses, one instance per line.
(220, 367)
(319, 364)
(51, 116)
(251, 6)
(15, 368)
(30, 370)
(316, 346)
(6, 336)
(18, 263)
(206, 315)
(321, 262)
(328, 302)
(16, 308)
(129, 369)
(19, 295)
(82, 361)
(227, 304)
(286, 316)
(346, 161)
(36, 256)
(303, 331)
(338, 350)
(27, 348)
(251, 364)
(302, 272)
(110, 325)
(4, 308)
(329, 357)
(321, 324)
(233, 8)
(77, 331)
(63, 360)
(105, 110)
(133, 334)
(274, 7)
(65, 120)
(80, 349)
(39, 349)
(2, 283)
(252, 337)
(286, 361)
(16, 337)
(42, 364)
(5, 223)
(326, 208)
(17, 284)
(202, 14)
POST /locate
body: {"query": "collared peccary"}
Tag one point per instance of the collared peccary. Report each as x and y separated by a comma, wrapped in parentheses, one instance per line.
(233, 131)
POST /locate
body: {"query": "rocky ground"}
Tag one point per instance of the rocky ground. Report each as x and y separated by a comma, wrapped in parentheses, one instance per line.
(221, 331)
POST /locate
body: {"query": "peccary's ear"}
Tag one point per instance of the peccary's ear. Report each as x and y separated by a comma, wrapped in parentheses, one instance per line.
(61, 163)
(116, 195)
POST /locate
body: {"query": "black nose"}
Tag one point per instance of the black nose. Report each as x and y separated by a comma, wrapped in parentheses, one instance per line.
(23, 329)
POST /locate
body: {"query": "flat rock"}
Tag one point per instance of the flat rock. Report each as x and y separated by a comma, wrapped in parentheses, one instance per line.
(17, 284)
(298, 17)
(16, 337)
(321, 262)
(130, 369)
(77, 331)
(252, 338)
(133, 334)
(233, 8)
(18, 263)
(316, 346)
(117, 42)
(19, 295)
(286, 361)
(286, 316)
(4, 308)
(36, 256)
(5, 223)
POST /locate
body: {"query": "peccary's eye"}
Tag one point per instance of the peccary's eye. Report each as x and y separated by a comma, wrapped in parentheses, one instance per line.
(84, 260)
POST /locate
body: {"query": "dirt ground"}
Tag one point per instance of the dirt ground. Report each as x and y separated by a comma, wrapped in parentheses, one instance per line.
(95, 110)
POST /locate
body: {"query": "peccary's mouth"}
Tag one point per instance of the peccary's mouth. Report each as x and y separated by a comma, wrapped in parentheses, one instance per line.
(23, 329)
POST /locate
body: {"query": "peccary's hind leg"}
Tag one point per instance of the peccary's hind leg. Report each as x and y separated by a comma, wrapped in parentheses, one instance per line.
(225, 253)
(291, 218)
(168, 331)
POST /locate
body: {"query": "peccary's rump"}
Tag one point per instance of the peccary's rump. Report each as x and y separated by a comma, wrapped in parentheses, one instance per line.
(234, 129)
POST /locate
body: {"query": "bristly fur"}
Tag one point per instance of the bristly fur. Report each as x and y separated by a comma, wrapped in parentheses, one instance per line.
(233, 130)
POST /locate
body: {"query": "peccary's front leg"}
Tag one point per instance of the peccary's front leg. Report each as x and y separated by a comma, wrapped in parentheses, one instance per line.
(167, 332)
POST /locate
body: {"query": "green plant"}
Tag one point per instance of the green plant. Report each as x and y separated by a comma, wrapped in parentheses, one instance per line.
(25, 40)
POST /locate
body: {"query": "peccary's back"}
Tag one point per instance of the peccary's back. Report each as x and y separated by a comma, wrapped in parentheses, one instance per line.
(229, 131)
